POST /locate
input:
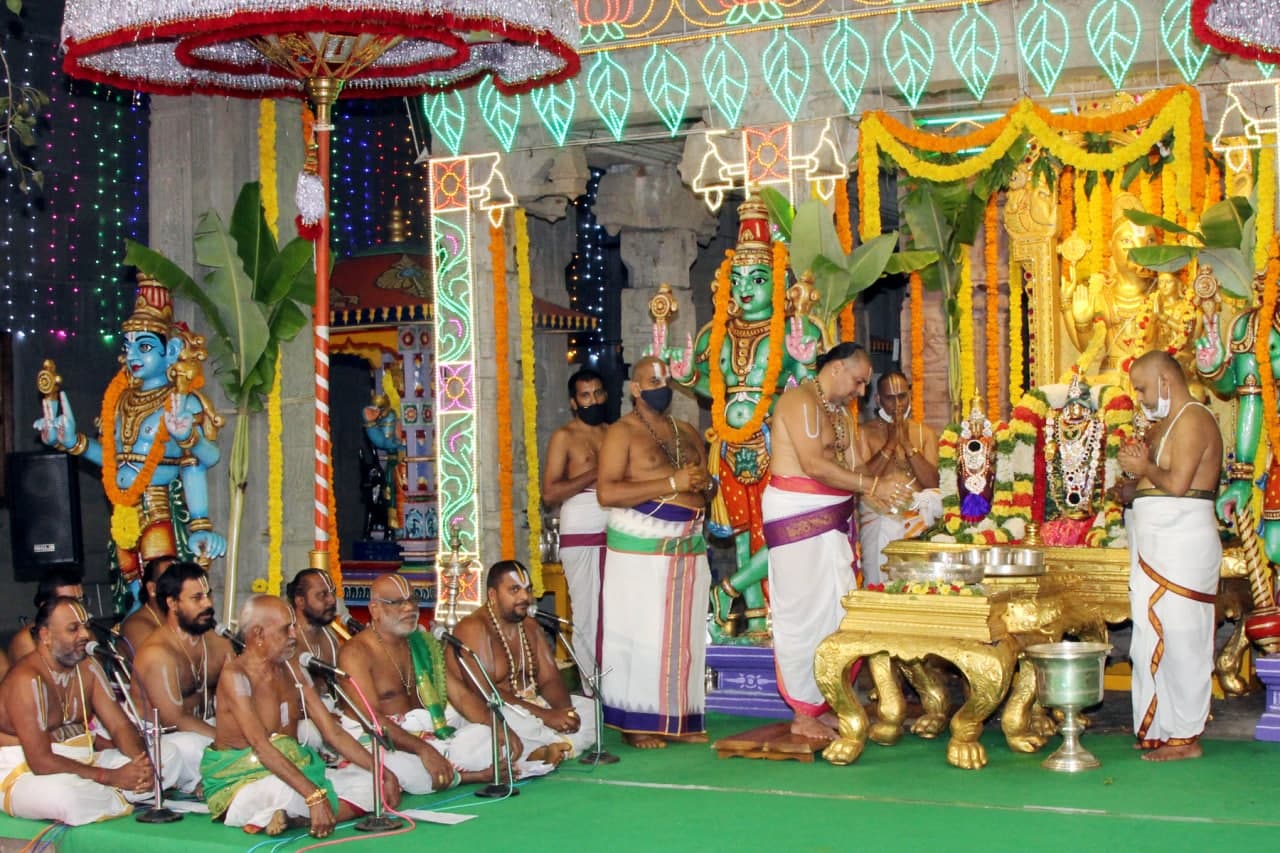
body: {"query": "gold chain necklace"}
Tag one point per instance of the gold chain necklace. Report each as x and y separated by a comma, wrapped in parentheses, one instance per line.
(526, 657)
(60, 692)
(837, 423)
(135, 406)
(675, 459)
(404, 679)
(195, 670)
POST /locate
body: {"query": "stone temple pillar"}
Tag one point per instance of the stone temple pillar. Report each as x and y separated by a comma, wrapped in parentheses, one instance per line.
(662, 223)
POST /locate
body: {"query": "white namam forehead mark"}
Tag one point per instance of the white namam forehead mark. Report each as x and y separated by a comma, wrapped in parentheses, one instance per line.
(402, 586)
(660, 370)
(522, 578)
(78, 613)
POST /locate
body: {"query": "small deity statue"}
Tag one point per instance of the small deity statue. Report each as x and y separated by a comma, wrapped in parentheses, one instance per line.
(1075, 438)
(382, 428)
(742, 388)
(156, 443)
(1115, 304)
(976, 464)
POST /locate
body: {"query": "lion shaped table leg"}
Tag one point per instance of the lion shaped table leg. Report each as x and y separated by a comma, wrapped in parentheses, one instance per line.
(932, 688)
(988, 668)
(1023, 731)
(892, 708)
(833, 661)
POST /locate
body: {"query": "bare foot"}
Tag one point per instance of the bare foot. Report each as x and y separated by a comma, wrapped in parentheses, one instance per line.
(1141, 747)
(812, 728)
(696, 737)
(279, 823)
(552, 753)
(1175, 753)
(645, 741)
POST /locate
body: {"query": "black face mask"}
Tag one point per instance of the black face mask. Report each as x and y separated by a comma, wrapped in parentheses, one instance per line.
(592, 415)
(658, 399)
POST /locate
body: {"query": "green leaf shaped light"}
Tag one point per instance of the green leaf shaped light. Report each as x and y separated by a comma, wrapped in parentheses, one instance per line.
(908, 54)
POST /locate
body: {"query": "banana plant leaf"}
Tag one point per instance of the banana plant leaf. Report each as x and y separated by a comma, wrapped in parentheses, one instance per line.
(780, 211)
(1232, 268)
(1150, 220)
(1163, 258)
(1225, 223)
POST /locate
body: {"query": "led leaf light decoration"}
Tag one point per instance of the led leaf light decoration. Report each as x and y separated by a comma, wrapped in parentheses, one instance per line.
(500, 112)
(786, 70)
(555, 106)
(1114, 31)
(1044, 40)
(725, 77)
(846, 59)
(447, 114)
(609, 89)
(975, 49)
(666, 83)
(908, 54)
(1184, 48)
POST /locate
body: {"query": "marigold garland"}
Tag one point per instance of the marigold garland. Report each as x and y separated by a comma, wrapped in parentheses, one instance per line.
(964, 308)
(1262, 343)
(529, 401)
(844, 230)
(991, 272)
(1265, 191)
(1066, 201)
(917, 347)
(275, 415)
(502, 356)
(1213, 194)
(131, 496)
(777, 346)
(1105, 209)
(1015, 336)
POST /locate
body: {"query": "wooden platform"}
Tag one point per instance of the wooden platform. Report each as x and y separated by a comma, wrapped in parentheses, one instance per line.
(774, 742)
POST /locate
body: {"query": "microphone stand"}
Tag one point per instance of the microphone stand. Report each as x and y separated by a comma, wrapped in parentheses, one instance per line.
(376, 822)
(497, 788)
(599, 755)
(158, 813)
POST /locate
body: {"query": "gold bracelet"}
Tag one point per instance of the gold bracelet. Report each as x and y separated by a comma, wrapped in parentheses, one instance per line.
(315, 798)
(81, 445)
(1248, 390)
(875, 482)
(190, 441)
(1240, 471)
(197, 524)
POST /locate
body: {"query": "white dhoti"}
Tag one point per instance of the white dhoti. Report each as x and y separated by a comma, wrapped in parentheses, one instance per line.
(811, 567)
(876, 530)
(582, 550)
(188, 750)
(653, 619)
(66, 797)
(256, 802)
(1175, 558)
(535, 734)
(469, 749)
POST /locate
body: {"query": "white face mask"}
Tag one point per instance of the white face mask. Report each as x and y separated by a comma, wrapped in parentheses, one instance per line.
(1161, 411)
(884, 416)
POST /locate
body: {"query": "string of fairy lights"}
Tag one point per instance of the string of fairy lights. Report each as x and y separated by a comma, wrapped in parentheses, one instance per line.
(62, 246)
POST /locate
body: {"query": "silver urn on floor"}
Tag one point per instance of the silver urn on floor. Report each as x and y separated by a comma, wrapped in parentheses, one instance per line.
(1069, 677)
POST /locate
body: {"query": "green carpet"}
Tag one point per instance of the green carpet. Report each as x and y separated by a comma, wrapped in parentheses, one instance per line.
(900, 798)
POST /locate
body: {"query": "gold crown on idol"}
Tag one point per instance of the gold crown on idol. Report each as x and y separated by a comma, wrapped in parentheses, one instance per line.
(755, 244)
(152, 309)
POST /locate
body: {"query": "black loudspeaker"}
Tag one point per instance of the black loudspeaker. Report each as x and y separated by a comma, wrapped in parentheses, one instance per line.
(44, 514)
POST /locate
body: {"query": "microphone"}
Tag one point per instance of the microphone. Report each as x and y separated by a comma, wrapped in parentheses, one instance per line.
(93, 647)
(353, 625)
(442, 634)
(548, 617)
(230, 636)
(320, 667)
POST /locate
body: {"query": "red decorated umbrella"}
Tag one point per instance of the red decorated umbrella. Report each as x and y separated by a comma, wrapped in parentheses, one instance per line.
(1247, 28)
(317, 49)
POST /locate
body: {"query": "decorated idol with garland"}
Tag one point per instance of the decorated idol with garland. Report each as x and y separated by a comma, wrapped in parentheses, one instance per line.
(760, 348)
(156, 442)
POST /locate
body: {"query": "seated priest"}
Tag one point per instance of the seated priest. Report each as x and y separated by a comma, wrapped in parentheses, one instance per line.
(256, 773)
(315, 606)
(519, 660)
(54, 583)
(176, 669)
(400, 669)
(140, 623)
(48, 762)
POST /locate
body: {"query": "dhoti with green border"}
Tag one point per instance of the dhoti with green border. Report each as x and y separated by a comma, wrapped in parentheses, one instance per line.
(653, 619)
(242, 791)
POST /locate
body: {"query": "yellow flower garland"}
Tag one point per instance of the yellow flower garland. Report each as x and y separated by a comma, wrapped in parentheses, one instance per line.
(844, 230)
(502, 419)
(964, 307)
(1015, 337)
(1265, 190)
(529, 401)
(275, 418)
(777, 346)
(917, 347)
(991, 272)
(1262, 343)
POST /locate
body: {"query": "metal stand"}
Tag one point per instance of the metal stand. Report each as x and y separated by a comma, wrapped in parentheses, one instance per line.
(158, 813)
(377, 821)
(598, 755)
(497, 788)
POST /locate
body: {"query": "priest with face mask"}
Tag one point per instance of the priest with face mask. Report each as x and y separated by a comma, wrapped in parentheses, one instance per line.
(653, 473)
(569, 480)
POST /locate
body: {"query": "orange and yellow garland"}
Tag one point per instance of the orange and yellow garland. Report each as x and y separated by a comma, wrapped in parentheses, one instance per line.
(844, 230)
(1262, 343)
(501, 355)
(125, 525)
(917, 347)
(991, 271)
(777, 346)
